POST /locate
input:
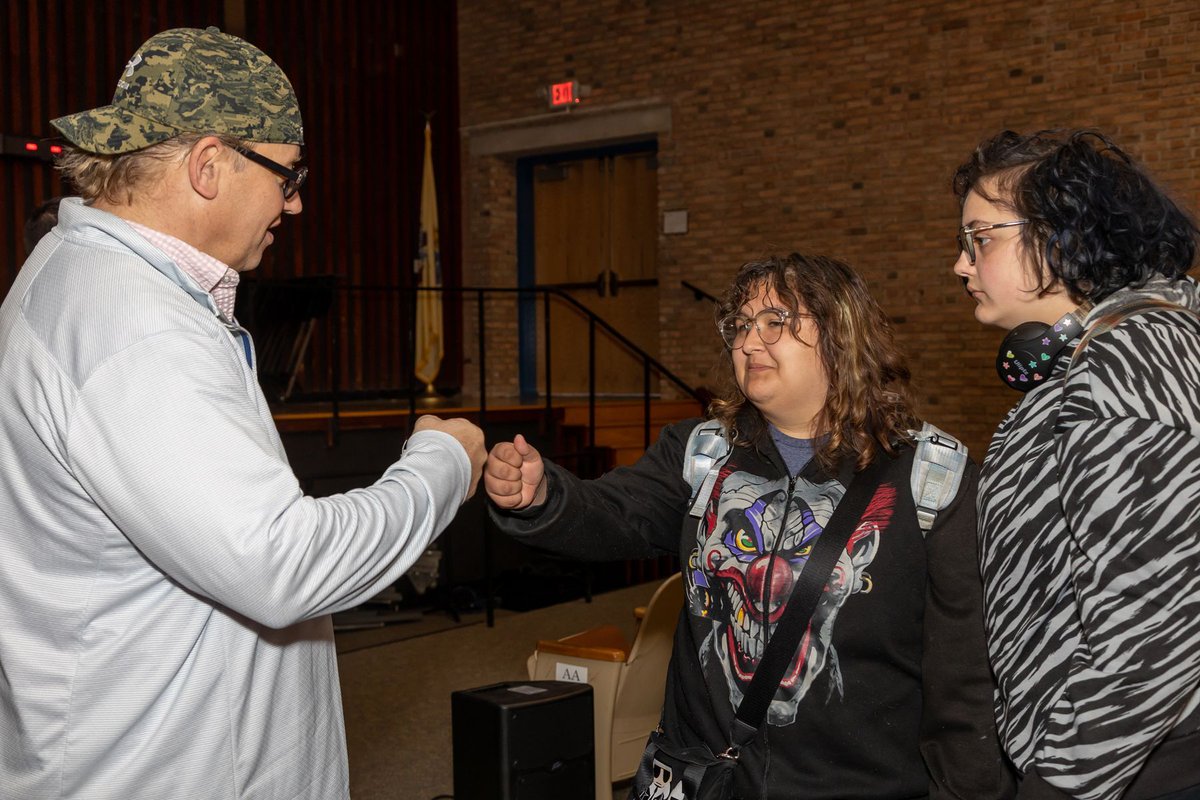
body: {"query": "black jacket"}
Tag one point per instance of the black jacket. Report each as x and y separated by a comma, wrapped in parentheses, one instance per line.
(890, 697)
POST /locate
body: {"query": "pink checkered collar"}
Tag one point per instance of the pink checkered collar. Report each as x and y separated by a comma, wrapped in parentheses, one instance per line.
(210, 274)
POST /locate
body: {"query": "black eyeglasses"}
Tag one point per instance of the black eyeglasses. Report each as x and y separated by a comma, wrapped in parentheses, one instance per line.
(293, 179)
(966, 236)
(769, 322)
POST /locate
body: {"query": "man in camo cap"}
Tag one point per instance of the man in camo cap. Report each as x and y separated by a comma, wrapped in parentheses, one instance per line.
(183, 87)
(165, 585)
(191, 81)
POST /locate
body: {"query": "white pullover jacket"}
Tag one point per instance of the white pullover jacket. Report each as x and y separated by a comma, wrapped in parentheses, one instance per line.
(165, 585)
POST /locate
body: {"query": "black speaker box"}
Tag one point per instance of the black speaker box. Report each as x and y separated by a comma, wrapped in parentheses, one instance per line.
(527, 740)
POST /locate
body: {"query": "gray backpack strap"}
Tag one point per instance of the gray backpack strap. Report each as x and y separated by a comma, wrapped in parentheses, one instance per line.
(708, 448)
(938, 469)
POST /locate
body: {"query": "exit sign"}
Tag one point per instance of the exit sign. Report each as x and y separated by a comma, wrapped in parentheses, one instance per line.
(564, 95)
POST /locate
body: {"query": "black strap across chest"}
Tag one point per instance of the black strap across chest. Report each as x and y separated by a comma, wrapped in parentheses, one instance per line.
(781, 649)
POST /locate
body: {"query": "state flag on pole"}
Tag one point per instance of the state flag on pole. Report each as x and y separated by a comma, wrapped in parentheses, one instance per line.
(429, 267)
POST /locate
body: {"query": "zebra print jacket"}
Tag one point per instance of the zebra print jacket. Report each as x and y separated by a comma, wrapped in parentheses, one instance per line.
(1089, 513)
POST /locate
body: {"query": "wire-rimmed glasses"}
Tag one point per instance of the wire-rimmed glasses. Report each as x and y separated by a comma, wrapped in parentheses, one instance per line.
(966, 235)
(770, 324)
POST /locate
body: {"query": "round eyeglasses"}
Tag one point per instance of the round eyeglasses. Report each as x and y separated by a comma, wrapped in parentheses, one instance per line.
(770, 324)
(966, 236)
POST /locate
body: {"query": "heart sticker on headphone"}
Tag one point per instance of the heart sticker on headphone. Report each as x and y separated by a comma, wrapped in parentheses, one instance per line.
(1031, 347)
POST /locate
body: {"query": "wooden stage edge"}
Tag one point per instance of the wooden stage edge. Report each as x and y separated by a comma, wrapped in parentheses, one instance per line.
(363, 414)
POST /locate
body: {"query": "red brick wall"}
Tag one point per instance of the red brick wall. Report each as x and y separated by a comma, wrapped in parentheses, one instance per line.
(829, 128)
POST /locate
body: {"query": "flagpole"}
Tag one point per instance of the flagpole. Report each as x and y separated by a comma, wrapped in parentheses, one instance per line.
(428, 317)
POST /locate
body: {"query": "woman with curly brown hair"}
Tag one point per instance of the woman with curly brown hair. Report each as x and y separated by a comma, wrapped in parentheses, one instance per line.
(860, 404)
(888, 694)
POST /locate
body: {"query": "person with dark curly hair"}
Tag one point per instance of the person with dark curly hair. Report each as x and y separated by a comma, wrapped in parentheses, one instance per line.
(889, 693)
(1089, 497)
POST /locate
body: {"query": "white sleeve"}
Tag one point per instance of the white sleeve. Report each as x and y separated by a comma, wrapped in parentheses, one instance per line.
(171, 440)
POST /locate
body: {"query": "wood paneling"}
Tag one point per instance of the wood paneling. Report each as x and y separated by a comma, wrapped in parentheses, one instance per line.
(596, 216)
(366, 74)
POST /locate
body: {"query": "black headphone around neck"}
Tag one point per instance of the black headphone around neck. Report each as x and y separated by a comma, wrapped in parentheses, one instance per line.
(1027, 354)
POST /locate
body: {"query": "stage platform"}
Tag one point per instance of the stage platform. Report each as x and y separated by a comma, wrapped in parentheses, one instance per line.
(620, 423)
(337, 449)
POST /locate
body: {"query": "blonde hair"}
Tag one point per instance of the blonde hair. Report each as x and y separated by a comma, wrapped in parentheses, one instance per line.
(117, 178)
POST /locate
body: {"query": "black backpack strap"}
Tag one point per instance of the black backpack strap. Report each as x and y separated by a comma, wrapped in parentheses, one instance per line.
(781, 649)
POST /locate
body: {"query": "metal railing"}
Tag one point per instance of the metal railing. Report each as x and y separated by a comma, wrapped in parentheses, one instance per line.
(650, 367)
(400, 302)
(698, 293)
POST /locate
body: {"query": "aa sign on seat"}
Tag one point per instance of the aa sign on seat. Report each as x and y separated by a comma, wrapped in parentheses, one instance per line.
(627, 680)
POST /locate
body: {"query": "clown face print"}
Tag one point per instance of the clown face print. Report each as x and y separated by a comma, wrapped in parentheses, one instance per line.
(751, 546)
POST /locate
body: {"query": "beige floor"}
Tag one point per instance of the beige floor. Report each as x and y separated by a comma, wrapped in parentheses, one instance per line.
(396, 694)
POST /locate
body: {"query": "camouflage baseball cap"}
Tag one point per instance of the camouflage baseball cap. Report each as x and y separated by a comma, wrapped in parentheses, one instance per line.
(187, 80)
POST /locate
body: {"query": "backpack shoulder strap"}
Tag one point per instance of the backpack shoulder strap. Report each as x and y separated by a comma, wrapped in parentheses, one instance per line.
(938, 469)
(708, 448)
(1115, 316)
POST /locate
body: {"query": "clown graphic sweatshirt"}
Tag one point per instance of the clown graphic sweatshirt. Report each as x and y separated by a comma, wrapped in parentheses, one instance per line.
(889, 695)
